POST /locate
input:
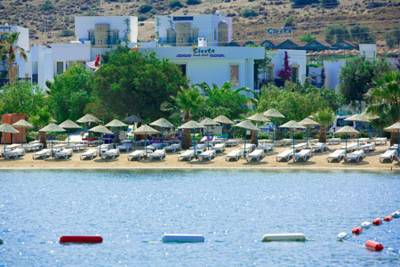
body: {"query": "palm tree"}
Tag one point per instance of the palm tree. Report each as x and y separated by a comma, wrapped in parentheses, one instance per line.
(189, 102)
(325, 118)
(384, 100)
(8, 52)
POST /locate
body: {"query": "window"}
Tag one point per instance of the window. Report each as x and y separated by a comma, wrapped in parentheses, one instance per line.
(234, 75)
(60, 67)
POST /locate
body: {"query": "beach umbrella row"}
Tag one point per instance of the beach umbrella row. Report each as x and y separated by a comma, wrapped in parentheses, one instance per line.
(292, 126)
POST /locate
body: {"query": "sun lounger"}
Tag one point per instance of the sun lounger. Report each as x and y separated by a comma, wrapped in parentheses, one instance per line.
(103, 148)
(256, 155)
(304, 155)
(337, 155)
(363, 140)
(234, 155)
(207, 155)
(159, 154)
(219, 148)
(64, 153)
(267, 147)
(356, 156)
(186, 155)
(380, 141)
(334, 141)
(285, 155)
(284, 142)
(350, 147)
(125, 146)
(42, 154)
(15, 153)
(79, 146)
(137, 155)
(388, 156)
(173, 148)
(300, 146)
(110, 154)
(319, 147)
(200, 147)
(368, 147)
(247, 148)
(33, 146)
(231, 142)
(89, 155)
(394, 147)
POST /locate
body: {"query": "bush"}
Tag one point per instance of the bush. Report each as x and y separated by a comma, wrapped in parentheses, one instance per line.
(47, 6)
(142, 17)
(302, 3)
(336, 33)
(329, 3)
(289, 22)
(66, 33)
(145, 8)
(306, 38)
(362, 34)
(193, 2)
(392, 38)
(248, 13)
(175, 4)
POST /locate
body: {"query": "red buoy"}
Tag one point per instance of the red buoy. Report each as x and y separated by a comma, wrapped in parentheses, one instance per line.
(374, 246)
(356, 230)
(377, 221)
(388, 218)
(81, 239)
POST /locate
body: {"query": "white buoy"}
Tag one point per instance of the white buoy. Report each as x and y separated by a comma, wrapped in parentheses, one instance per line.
(366, 225)
(182, 238)
(396, 214)
(342, 236)
(284, 237)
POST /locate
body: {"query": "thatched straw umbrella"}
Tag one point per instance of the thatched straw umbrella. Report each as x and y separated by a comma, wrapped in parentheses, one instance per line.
(116, 124)
(225, 122)
(7, 128)
(395, 128)
(273, 114)
(192, 125)
(347, 131)
(146, 130)
(308, 123)
(23, 124)
(207, 122)
(101, 129)
(52, 128)
(247, 125)
(69, 125)
(162, 124)
(292, 126)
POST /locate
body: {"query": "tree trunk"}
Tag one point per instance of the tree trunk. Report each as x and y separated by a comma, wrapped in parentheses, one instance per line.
(322, 134)
(253, 138)
(187, 140)
(394, 138)
(12, 73)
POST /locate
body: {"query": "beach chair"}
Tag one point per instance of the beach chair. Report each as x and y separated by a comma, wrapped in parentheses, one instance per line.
(300, 146)
(207, 155)
(125, 146)
(110, 154)
(303, 156)
(368, 147)
(79, 147)
(65, 153)
(336, 156)
(159, 154)
(231, 142)
(267, 147)
(257, 155)
(103, 148)
(137, 155)
(89, 155)
(173, 148)
(285, 155)
(363, 140)
(42, 154)
(247, 148)
(319, 147)
(380, 141)
(356, 156)
(15, 153)
(284, 142)
(350, 147)
(388, 156)
(334, 141)
(219, 148)
(186, 155)
(234, 155)
(33, 146)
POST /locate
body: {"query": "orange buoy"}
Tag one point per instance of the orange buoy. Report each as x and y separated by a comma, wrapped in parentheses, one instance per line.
(356, 230)
(377, 221)
(374, 246)
(388, 218)
(94, 239)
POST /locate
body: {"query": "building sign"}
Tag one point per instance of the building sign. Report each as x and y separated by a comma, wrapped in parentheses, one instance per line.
(201, 52)
(280, 31)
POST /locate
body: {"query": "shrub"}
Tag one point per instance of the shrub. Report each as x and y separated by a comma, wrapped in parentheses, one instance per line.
(145, 8)
(248, 13)
(193, 2)
(47, 6)
(175, 4)
(66, 33)
(289, 22)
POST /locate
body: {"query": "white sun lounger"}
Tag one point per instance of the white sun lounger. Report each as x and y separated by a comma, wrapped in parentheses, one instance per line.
(256, 155)
(388, 156)
(15, 153)
(247, 148)
(103, 148)
(89, 155)
(33, 146)
(267, 147)
(186, 155)
(368, 147)
(304, 155)
(110, 154)
(363, 140)
(159, 154)
(42, 154)
(64, 153)
(173, 148)
(337, 155)
(219, 148)
(231, 142)
(334, 141)
(79, 147)
(350, 147)
(319, 147)
(300, 146)
(380, 141)
(137, 155)
(356, 156)
(285, 155)
(207, 155)
(234, 155)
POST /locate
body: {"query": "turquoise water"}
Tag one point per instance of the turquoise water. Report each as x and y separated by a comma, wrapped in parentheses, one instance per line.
(233, 209)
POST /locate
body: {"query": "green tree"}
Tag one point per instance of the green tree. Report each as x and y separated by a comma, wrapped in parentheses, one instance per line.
(175, 4)
(8, 52)
(248, 13)
(357, 76)
(324, 117)
(336, 33)
(306, 38)
(189, 102)
(23, 97)
(384, 99)
(131, 82)
(392, 37)
(47, 6)
(70, 92)
(362, 34)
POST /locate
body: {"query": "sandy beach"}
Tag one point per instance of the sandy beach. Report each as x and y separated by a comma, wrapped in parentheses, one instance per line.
(317, 162)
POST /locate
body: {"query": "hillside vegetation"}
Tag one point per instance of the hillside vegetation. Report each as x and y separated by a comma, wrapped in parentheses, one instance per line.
(53, 20)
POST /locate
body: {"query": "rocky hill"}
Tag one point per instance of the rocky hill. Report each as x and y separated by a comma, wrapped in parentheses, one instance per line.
(53, 20)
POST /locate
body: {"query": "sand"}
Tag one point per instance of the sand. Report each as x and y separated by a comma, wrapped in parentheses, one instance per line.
(317, 162)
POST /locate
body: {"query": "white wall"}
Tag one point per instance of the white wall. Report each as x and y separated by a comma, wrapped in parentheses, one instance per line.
(367, 50)
(296, 57)
(332, 73)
